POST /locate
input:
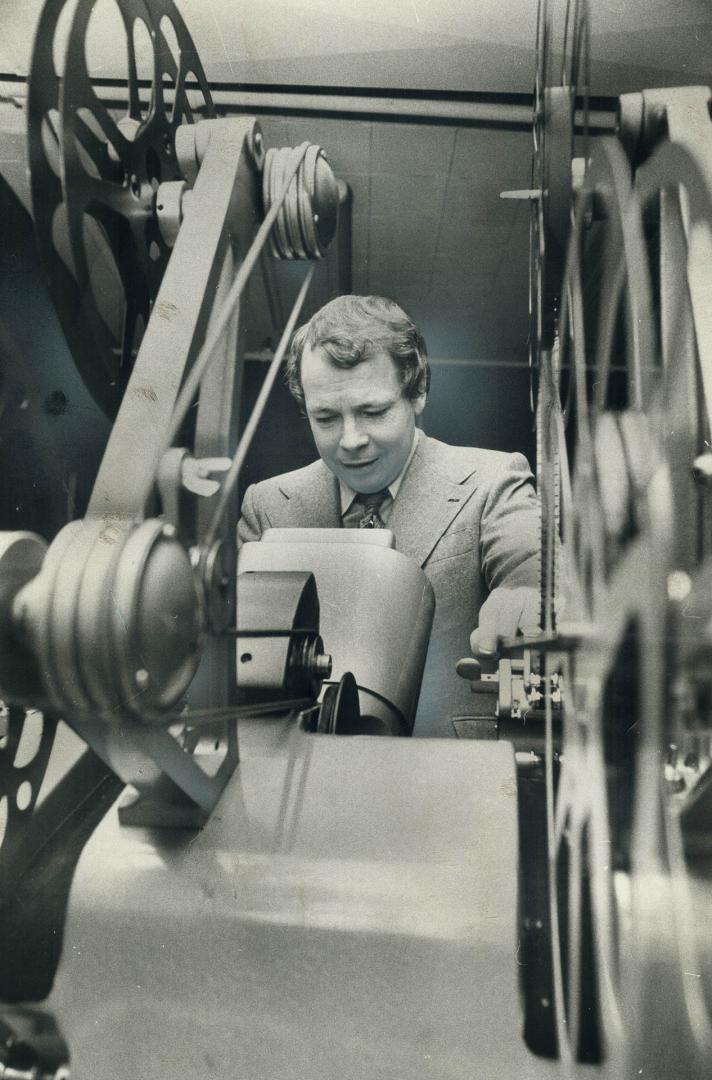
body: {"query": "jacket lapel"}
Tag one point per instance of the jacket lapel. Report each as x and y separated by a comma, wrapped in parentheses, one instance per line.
(435, 488)
(311, 501)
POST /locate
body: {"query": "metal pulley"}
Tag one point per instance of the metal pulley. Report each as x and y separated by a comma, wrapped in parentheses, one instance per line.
(114, 617)
(340, 710)
(307, 220)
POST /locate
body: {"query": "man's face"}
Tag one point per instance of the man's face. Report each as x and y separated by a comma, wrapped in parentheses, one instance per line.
(362, 425)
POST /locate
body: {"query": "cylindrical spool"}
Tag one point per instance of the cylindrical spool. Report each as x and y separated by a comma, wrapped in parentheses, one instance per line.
(307, 220)
(280, 653)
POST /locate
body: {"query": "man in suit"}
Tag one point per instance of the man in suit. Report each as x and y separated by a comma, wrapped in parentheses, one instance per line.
(468, 516)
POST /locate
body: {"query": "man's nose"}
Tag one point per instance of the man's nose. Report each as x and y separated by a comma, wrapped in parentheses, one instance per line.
(353, 437)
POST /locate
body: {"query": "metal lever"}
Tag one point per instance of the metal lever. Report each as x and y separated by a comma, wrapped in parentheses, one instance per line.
(470, 668)
(180, 471)
(196, 473)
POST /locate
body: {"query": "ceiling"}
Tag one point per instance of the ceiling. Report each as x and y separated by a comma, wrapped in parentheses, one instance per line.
(484, 45)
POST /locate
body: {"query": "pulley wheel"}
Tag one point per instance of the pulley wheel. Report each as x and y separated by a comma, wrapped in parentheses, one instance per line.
(340, 711)
(308, 217)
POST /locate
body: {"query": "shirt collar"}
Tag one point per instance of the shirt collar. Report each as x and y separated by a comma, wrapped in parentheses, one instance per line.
(347, 494)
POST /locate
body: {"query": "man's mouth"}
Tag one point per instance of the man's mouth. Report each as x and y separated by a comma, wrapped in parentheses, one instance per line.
(358, 464)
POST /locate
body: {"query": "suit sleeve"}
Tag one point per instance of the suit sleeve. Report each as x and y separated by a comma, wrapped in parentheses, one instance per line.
(510, 528)
(249, 527)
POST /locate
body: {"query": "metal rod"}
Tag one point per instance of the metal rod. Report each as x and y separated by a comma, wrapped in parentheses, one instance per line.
(192, 383)
(369, 104)
(563, 1045)
(256, 414)
(238, 632)
(264, 356)
(396, 108)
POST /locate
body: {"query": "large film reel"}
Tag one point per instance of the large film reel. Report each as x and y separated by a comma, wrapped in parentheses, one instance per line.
(628, 818)
(629, 888)
(95, 174)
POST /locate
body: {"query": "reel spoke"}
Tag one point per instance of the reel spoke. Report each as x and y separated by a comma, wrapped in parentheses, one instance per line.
(182, 110)
(103, 165)
(134, 101)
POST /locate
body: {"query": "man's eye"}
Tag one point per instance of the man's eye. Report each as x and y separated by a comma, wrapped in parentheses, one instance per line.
(323, 420)
(375, 412)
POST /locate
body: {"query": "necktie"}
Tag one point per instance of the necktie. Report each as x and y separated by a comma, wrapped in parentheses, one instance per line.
(371, 503)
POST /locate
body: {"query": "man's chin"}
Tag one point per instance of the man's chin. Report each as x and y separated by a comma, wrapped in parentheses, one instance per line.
(365, 488)
(364, 479)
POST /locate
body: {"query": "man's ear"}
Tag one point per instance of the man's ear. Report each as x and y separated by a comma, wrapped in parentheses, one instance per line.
(419, 403)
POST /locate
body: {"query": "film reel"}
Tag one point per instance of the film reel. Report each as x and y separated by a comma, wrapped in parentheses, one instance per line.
(626, 932)
(95, 174)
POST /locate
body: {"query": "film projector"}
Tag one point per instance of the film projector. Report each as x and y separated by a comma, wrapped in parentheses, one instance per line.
(193, 879)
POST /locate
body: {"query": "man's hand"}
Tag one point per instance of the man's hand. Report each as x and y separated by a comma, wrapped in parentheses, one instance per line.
(504, 613)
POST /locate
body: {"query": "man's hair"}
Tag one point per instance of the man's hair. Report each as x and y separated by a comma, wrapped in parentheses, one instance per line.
(351, 329)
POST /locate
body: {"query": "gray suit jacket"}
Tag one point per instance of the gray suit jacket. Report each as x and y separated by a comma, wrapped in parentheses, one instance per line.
(469, 517)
